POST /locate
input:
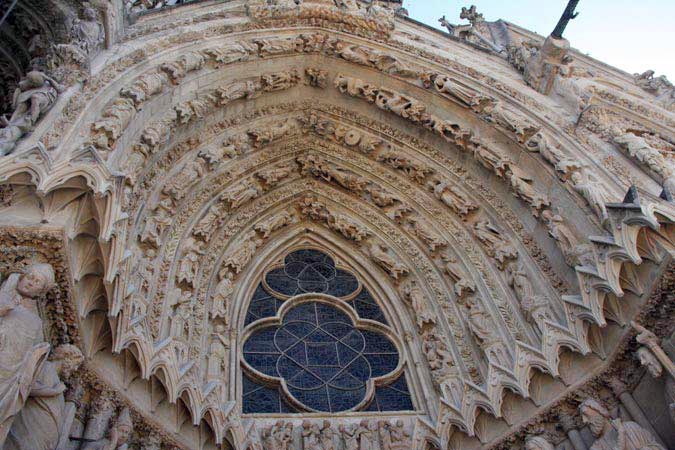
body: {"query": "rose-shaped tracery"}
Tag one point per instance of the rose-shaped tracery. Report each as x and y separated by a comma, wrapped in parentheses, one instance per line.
(316, 354)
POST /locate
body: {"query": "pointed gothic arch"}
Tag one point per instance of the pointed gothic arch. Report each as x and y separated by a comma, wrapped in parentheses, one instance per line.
(224, 151)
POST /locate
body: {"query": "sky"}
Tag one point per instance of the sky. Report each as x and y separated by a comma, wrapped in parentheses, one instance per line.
(633, 35)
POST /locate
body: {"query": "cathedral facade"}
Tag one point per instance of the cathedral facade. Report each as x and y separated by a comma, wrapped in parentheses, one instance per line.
(323, 225)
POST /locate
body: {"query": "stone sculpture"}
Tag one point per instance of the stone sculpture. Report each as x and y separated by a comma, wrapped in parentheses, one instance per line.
(88, 32)
(638, 148)
(189, 264)
(350, 436)
(118, 436)
(415, 298)
(274, 223)
(311, 436)
(496, 245)
(593, 192)
(453, 198)
(46, 405)
(217, 359)
(537, 443)
(222, 296)
(328, 436)
(463, 284)
(23, 349)
(393, 436)
(381, 256)
(437, 355)
(241, 193)
(534, 306)
(486, 334)
(613, 434)
(33, 97)
(277, 436)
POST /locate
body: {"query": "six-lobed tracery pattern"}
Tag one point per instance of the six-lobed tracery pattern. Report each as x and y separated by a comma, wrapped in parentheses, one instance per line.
(318, 356)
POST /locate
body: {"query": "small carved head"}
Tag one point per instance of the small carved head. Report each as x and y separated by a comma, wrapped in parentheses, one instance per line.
(36, 280)
(124, 426)
(67, 359)
(594, 415)
(89, 13)
(648, 360)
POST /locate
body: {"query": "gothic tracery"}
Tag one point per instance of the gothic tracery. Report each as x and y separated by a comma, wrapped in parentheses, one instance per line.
(466, 255)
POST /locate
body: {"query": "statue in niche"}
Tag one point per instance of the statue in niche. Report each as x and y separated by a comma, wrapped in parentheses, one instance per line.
(381, 197)
(655, 369)
(217, 359)
(311, 436)
(463, 284)
(45, 420)
(350, 436)
(353, 53)
(189, 263)
(222, 296)
(453, 198)
(614, 434)
(496, 245)
(328, 436)
(181, 305)
(534, 306)
(522, 185)
(593, 192)
(485, 332)
(88, 31)
(415, 298)
(191, 173)
(425, 232)
(380, 255)
(562, 233)
(156, 223)
(241, 256)
(537, 443)
(119, 434)
(241, 193)
(437, 354)
(206, 226)
(274, 223)
(23, 349)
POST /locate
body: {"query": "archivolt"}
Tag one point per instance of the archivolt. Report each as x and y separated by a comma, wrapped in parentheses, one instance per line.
(104, 236)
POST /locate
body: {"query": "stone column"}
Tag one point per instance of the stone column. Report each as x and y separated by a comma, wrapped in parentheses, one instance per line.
(628, 402)
(568, 424)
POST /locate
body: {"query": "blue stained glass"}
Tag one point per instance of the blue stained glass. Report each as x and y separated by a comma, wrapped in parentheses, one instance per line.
(322, 358)
(310, 271)
(394, 397)
(367, 308)
(325, 360)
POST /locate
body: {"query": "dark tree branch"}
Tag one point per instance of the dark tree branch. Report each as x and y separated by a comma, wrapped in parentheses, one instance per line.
(567, 15)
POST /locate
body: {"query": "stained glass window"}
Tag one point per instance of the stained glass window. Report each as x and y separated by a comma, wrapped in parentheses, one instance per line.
(324, 359)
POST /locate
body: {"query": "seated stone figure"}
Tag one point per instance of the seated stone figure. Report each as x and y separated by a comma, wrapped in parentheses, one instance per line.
(615, 434)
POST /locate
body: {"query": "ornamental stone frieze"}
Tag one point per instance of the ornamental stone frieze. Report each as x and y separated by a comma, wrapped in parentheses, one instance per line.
(320, 225)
